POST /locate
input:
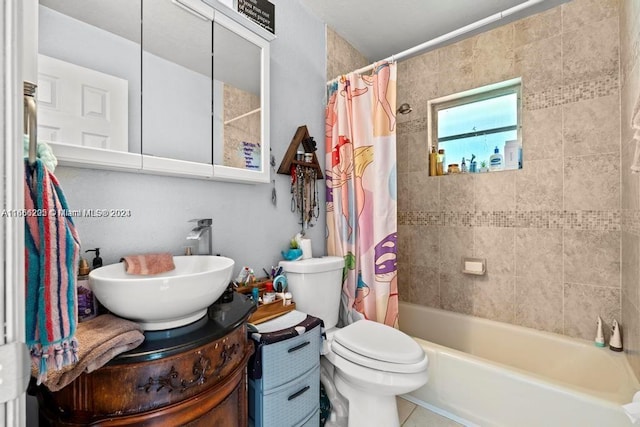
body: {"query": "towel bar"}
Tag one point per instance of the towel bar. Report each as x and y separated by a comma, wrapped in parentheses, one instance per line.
(30, 119)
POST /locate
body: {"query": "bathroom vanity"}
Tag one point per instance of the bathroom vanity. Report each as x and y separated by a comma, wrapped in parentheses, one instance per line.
(193, 375)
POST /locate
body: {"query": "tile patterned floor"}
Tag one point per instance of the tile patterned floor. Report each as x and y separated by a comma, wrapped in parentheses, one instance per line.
(412, 415)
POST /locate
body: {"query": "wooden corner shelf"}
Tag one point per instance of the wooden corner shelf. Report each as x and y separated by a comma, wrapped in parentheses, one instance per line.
(289, 159)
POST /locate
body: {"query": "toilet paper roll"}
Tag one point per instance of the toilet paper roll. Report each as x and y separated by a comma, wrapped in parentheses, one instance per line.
(305, 245)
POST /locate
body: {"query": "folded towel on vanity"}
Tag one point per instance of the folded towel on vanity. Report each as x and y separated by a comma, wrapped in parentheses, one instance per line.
(148, 263)
(100, 340)
(52, 248)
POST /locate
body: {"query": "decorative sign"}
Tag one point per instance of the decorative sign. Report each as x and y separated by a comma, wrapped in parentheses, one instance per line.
(252, 153)
(262, 12)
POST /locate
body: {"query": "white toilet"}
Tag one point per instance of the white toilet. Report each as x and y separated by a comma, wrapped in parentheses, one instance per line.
(366, 362)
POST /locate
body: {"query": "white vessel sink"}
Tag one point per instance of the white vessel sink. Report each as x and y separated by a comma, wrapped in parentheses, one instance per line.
(165, 300)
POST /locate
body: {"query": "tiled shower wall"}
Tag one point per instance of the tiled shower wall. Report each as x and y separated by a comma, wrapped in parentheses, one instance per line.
(630, 94)
(342, 57)
(550, 232)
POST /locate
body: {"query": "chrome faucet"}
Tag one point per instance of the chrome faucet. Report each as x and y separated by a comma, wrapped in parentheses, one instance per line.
(203, 229)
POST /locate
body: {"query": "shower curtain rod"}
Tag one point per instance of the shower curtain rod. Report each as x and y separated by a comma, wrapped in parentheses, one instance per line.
(448, 36)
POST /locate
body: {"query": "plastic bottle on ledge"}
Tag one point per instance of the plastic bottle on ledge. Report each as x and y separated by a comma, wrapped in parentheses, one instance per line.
(441, 161)
(496, 161)
(433, 162)
(599, 340)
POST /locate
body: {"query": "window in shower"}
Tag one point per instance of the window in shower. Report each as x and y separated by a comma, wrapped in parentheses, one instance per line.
(472, 124)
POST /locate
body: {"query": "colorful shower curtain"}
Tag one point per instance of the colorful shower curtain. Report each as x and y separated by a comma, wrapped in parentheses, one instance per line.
(361, 192)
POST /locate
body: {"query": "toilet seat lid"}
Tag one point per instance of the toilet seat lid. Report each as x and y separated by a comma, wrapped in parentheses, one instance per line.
(374, 344)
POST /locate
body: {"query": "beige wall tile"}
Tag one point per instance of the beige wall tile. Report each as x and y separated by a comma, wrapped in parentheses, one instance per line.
(497, 246)
(403, 191)
(418, 151)
(539, 185)
(455, 64)
(423, 286)
(630, 182)
(494, 297)
(405, 236)
(342, 57)
(404, 280)
(590, 52)
(592, 126)
(424, 192)
(458, 78)
(539, 304)
(582, 306)
(592, 257)
(454, 243)
(578, 13)
(539, 254)
(629, 38)
(538, 27)
(493, 56)
(495, 191)
(424, 246)
(456, 192)
(402, 149)
(420, 66)
(631, 268)
(541, 134)
(592, 182)
(540, 64)
(453, 54)
(456, 292)
(629, 95)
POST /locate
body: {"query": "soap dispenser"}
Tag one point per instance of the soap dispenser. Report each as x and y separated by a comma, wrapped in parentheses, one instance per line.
(496, 161)
(615, 343)
(97, 261)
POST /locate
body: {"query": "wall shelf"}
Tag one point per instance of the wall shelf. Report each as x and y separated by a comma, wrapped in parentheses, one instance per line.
(301, 137)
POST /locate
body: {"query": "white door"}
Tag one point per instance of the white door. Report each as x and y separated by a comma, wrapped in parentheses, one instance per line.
(14, 369)
(80, 106)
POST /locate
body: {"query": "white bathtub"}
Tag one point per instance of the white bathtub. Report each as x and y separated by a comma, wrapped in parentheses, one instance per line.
(495, 374)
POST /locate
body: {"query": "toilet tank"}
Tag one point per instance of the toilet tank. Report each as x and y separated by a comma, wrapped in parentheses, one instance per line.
(316, 286)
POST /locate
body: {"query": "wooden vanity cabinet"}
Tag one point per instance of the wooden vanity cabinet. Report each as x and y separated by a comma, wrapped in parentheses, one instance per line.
(200, 386)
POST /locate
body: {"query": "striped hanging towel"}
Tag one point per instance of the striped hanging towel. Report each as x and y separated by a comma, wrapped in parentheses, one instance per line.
(51, 261)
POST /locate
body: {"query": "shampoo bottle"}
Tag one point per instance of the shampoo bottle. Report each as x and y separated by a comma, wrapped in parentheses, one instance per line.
(495, 161)
(433, 162)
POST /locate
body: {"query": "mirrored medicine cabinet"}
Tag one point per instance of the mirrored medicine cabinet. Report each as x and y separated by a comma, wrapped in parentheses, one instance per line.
(171, 87)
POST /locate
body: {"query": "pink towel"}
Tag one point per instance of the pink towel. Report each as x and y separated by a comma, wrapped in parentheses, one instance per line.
(148, 263)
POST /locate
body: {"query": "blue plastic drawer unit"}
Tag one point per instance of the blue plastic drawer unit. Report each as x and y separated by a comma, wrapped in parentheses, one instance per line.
(284, 376)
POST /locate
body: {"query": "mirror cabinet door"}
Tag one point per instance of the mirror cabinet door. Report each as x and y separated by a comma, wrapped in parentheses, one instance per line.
(240, 94)
(89, 81)
(176, 89)
(237, 106)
